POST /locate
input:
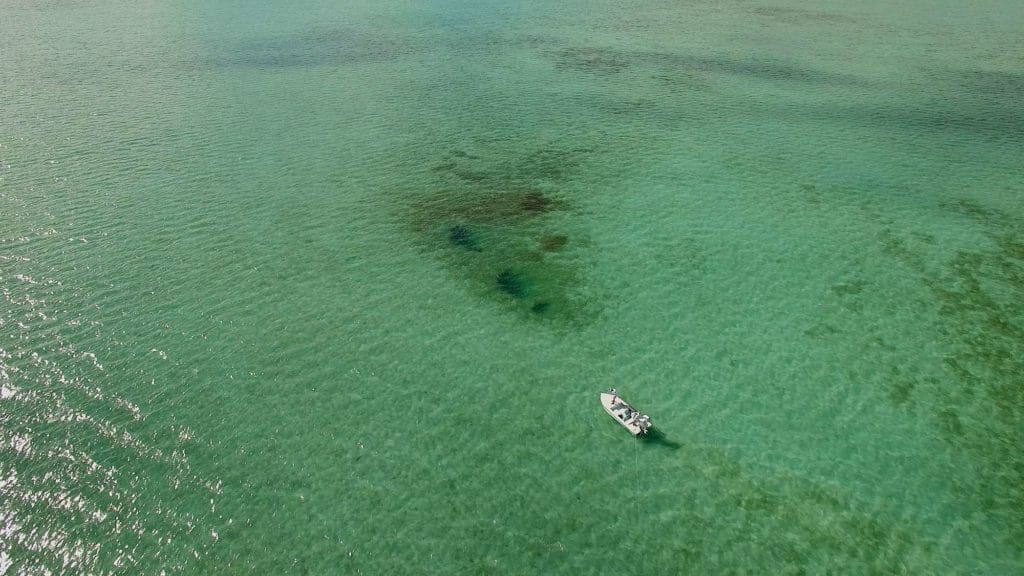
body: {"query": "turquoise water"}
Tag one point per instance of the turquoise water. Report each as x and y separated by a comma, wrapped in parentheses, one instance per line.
(331, 288)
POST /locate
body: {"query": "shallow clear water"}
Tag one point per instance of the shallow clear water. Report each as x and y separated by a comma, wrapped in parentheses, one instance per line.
(321, 289)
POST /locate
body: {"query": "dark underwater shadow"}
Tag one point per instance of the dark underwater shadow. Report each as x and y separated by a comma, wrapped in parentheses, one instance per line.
(320, 48)
(658, 438)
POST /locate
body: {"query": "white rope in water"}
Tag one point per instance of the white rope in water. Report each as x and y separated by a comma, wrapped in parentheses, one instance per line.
(636, 473)
(636, 500)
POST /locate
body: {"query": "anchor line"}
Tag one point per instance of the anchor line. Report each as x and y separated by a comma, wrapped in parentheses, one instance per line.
(636, 499)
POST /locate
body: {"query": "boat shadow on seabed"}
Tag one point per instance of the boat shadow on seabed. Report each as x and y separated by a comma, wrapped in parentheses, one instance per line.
(655, 437)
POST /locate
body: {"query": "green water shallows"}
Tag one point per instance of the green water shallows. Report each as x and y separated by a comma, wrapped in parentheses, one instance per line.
(330, 289)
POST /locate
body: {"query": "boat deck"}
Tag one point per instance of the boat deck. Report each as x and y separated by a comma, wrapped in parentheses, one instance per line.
(623, 413)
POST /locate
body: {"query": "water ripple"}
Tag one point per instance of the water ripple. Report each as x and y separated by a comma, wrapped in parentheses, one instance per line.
(87, 482)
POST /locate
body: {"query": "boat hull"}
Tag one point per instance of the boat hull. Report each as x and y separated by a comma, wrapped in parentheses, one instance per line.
(622, 413)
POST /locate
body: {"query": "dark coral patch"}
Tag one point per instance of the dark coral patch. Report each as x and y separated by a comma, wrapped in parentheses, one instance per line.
(344, 46)
(536, 203)
(490, 219)
(554, 242)
(801, 16)
(610, 61)
(592, 60)
(513, 284)
(491, 209)
(509, 207)
(463, 237)
(978, 400)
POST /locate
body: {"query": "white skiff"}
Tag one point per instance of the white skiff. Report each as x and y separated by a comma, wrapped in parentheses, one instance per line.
(638, 424)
